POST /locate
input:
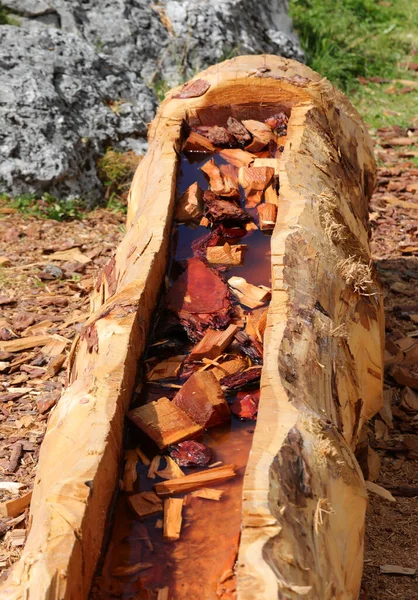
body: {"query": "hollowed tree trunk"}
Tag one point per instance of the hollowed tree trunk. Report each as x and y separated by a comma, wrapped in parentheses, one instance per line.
(304, 496)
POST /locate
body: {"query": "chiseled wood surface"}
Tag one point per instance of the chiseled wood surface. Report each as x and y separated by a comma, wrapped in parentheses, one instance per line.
(304, 497)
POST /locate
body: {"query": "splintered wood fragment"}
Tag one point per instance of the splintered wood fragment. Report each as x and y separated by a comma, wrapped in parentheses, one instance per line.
(196, 142)
(379, 491)
(31, 341)
(409, 400)
(226, 254)
(272, 163)
(213, 343)
(386, 411)
(397, 570)
(251, 226)
(171, 470)
(207, 494)
(267, 213)
(17, 537)
(189, 206)
(213, 175)
(256, 323)
(164, 422)
(14, 508)
(261, 132)
(143, 457)
(194, 481)
(130, 474)
(154, 466)
(270, 195)
(203, 400)
(248, 294)
(254, 181)
(166, 369)
(145, 504)
(238, 364)
(237, 157)
(163, 594)
(255, 178)
(404, 377)
(222, 181)
(230, 180)
(172, 518)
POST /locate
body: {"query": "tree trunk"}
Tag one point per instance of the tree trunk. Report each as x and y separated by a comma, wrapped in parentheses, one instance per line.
(304, 496)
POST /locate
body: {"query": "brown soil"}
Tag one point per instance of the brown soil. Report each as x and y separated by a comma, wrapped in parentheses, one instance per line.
(392, 527)
(32, 304)
(28, 392)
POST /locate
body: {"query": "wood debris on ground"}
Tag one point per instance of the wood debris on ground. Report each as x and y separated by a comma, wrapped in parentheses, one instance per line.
(391, 529)
(47, 272)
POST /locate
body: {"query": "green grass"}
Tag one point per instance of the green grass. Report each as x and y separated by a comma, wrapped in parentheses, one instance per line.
(347, 39)
(46, 207)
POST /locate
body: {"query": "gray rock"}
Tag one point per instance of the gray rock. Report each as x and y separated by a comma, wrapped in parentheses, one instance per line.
(70, 58)
(56, 117)
(173, 39)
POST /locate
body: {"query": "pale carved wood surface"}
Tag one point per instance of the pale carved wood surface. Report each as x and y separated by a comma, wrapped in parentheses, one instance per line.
(304, 497)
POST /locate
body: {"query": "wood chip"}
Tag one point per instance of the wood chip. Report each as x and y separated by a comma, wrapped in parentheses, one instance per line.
(248, 294)
(226, 254)
(267, 214)
(207, 494)
(196, 142)
(221, 369)
(166, 369)
(74, 254)
(144, 459)
(17, 537)
(272, 163)
(379, 491)
(189, 206)
(154, 466)
(130, 474)
(164, 422)
(270, 195)
(14, 508)
(203, 400)
(261, 133)
(33, 341)
(409, 400)
(163, 594)
(194, 481)
(171, 470)
(237, 157)
(397, 570)
(213, 343)
(386, 411)
(172, 519)
(145, 504)
(15, 457)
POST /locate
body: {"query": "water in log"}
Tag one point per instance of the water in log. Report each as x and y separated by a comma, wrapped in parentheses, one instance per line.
(303, 495)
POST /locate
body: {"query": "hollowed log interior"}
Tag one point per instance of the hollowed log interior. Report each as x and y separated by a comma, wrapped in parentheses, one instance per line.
(201, 563)
(303, 495)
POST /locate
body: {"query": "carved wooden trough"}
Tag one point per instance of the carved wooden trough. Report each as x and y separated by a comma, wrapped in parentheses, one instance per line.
(303, 494)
